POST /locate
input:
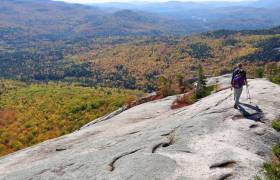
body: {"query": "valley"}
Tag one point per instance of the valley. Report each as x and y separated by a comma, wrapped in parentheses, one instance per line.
(50, 40)
(117, 74)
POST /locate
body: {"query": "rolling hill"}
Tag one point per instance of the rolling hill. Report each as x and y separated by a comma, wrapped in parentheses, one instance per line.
(37, 36)
(97, 46)
(45, 19)
(140, 64)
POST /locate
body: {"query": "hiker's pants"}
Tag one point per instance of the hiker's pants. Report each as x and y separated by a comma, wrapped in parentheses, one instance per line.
(237, 94)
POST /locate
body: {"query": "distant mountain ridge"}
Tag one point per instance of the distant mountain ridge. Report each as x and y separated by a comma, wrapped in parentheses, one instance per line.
(188, 4)
(266, 3)
(53, 19)
(211, 15)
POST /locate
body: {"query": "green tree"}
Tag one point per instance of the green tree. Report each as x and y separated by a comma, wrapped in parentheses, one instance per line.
(259, 72)
(201, 89)
(273, 72)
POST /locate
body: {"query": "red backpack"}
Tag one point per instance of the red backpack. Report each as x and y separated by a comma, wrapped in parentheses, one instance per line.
(238, 79)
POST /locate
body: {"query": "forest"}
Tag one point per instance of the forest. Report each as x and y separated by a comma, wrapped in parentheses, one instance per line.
(32, 113)
(137, 62)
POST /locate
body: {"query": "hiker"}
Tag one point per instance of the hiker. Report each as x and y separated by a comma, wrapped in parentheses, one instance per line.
(238, 80)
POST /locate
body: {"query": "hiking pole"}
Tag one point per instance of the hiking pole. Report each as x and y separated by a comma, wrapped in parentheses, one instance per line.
(248, 94)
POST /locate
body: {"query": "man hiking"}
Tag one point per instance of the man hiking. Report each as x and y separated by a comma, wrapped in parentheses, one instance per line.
(238, 80)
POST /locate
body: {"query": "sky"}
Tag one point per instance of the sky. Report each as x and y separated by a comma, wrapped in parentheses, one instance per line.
(102, 1)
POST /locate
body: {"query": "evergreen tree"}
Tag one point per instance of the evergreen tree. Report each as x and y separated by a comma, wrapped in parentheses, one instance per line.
(201, 83)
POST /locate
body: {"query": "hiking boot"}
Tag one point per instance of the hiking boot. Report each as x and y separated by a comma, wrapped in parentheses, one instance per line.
(235, 106)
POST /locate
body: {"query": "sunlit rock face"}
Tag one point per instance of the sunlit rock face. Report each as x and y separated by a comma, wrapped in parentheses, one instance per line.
(207, 140)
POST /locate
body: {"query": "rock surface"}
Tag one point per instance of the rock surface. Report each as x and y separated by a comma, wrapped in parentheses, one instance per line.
(207, 140)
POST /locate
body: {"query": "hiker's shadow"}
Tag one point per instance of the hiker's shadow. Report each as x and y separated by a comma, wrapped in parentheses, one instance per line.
(255, 113)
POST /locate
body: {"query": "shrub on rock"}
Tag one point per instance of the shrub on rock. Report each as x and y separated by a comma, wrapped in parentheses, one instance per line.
(276, 124)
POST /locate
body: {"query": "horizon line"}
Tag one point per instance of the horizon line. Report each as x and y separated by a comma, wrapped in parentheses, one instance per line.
(152, 1)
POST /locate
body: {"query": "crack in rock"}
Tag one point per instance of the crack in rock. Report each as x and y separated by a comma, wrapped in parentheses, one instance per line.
(112, 164)
(171, 140)
(171, 132)
(133, 132)
(224, 176)
(185, 151)
(215, 105)
(60, 149)
(253, 126)
(224, 164)
(222, 100)
(260, 153)
(77, 168)
(216, 112)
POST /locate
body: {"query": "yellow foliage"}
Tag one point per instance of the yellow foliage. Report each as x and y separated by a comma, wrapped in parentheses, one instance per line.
(33, 113)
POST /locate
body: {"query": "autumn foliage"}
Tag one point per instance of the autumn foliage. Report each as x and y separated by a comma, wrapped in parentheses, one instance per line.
(30, 114)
